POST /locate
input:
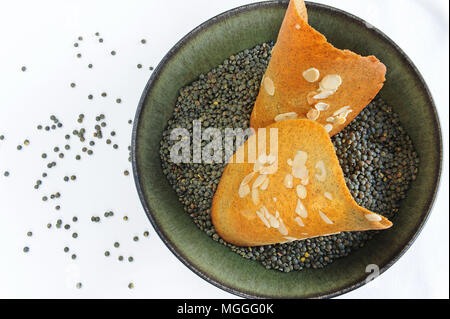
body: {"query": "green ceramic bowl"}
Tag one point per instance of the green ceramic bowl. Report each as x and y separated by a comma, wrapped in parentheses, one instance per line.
(208, 46)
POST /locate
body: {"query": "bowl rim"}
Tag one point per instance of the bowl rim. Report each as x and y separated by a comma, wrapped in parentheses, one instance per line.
(277, 4)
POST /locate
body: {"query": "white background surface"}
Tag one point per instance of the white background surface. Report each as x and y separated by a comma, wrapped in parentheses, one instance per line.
(40, 35)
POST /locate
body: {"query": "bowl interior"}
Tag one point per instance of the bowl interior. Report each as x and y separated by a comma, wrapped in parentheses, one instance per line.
(206, 47)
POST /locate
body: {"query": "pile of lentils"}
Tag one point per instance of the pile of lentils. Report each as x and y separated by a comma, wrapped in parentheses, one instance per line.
(375, 153)
(79, 143)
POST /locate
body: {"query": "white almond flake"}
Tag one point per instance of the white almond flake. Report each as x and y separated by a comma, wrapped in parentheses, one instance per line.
(244, 190)
(300, 172)
(373, 217)
(300, 158)
(330, 119)
(289, 181)
(247, 179)
(311, 75)
(301, 191)
(255, 196)
(299, 221)
(313, 114)
(325, 218)
(264, 185)
(341, 110)
(310, 97)
(289, 162)
(323, 95)
(297, 26)
(286, 116)
(272, 220)
(274, 199)
(328, 195)
(340, 120)
(323, 173)
(263, 219)
(321, 106)
(328, 128)
(301, 209)
(282, 228)
(331, 82)
(259, 181)
(269, 86)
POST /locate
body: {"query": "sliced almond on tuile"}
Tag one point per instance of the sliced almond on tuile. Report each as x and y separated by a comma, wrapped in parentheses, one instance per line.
(301, 209)
(282, 228)
(263, 219)
(269, 86)
(247, 179)
(328, 128)
(330, 119)
(299, 221)
(325, 218)
(330, 82)
(289, 181)
(373, 217)
(312, 114)
(300, 159)
(311, 75)
(322, 171)
(341, 110)
(323, 95)
(300, 172)
(310, 97)
(259, 181)
(301, 191)
(322, 106)
(286, 116)
(340, 120)
(328, 195)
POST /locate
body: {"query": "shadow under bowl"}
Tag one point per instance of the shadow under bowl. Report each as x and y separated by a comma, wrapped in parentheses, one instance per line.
(208, 46)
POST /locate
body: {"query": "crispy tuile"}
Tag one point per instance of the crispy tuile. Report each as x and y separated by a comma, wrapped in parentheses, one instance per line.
(300, 47)
(235, 218)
